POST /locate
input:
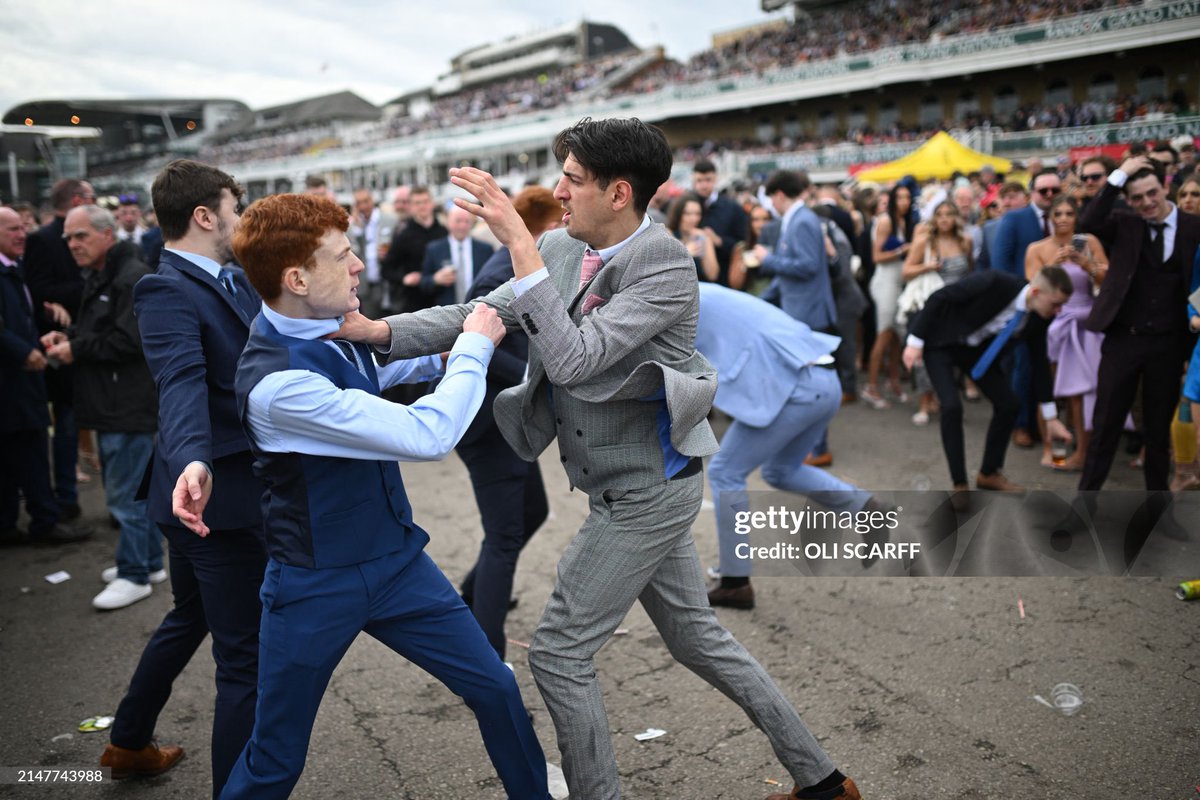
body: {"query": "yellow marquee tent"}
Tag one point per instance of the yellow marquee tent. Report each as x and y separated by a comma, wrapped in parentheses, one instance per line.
(940, 157)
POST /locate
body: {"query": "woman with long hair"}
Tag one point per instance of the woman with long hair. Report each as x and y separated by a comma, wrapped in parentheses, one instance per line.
(683, 220)
(893, 230)
(940, 246)
(1070, 346)
(743, 267)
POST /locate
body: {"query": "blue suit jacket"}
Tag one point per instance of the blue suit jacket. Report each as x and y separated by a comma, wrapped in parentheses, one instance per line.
(1018, 229)
(758, 351)
(438, 253)
(193, 332)
(799, 261)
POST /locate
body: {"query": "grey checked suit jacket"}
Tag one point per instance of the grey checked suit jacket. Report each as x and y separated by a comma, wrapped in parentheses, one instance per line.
(590, 376)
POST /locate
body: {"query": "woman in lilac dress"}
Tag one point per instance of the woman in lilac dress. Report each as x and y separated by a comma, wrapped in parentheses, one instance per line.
(1072, 348)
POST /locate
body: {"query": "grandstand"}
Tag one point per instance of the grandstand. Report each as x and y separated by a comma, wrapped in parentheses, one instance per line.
(838, 85)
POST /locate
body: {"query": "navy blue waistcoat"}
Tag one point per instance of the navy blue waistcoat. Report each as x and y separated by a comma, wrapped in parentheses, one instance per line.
(323, 511)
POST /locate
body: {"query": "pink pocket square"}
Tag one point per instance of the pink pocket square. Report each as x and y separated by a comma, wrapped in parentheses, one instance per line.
(591, 302)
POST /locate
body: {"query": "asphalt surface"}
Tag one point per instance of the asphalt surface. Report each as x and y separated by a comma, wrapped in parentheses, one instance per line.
(917, 687)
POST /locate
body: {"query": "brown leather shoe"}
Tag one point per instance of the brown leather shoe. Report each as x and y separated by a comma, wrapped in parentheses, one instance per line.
(823, 460)
(998, 483)
(848, 398)
(847, 791)
(742, 597)
(1022, 438)
(150, 760)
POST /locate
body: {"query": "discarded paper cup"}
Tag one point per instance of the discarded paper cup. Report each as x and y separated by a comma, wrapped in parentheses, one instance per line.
(1066, 698)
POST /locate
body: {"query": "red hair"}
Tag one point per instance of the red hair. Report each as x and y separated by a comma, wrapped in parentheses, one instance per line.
(283, 231)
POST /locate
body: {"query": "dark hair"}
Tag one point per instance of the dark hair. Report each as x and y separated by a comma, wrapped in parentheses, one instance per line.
(1064, 199)
(619, 149)
(314, 182)
(751, 238)
(1164, 147)
(283, 231)
(1057, 278)
(183, 186)
(420, 189)
(791, 183)
(1156, 170)
(675, 210)
(704, 167)
(910, 219)
(64, 191)
(1012, 187)
(1103, 160)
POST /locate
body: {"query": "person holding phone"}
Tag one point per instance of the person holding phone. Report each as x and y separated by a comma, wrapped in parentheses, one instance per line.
(1073, 348)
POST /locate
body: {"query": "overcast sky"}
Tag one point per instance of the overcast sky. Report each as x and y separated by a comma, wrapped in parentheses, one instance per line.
(253, 51)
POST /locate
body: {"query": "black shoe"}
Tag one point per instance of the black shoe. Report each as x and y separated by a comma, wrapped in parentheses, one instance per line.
(69, 511)
(10, 537)
(112, 523)
(62, 534)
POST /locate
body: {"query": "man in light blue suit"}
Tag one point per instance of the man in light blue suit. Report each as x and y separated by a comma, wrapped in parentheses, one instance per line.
(775, 377)
(1018, 230)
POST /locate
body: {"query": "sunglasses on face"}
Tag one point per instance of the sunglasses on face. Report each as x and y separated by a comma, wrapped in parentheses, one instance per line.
(1048, 191)
(1096, 176)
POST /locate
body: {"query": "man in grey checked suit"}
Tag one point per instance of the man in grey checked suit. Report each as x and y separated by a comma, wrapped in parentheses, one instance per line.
(614, 376)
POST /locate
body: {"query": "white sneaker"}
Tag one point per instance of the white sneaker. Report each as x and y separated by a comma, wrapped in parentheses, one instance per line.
(120, 593)
(109, 575)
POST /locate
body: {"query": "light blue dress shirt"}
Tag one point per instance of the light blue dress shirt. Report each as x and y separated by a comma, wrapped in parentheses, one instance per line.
(297, 411)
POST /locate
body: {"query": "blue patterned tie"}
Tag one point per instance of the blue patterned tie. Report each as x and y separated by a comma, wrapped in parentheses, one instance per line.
(989, 355)
(227, 282)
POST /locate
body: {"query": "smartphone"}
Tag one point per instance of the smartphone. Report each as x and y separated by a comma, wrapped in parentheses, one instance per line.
(1079, 243)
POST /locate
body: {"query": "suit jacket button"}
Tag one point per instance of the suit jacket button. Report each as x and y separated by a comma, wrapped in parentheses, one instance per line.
(525, 316)
(585, 472)
(564, 459)
(558, 420)
(579, 433)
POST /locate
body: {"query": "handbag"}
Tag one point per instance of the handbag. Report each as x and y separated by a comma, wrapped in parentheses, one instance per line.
(916, 292)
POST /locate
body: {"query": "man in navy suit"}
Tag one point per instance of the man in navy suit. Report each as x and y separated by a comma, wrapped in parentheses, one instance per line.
(724, 219)
(194, 315)
(1018, 230)
(451, 263)
(24, 451)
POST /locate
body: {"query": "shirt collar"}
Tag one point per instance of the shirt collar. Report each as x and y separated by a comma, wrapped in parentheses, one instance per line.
(1022, 296)
(203, 262)
(300, 328)
(1172, 220)
(793, 209)
(609, 252)
(6, 261)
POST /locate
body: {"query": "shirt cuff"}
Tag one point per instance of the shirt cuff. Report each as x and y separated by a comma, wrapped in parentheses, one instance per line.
(913, 341)
(522, 285)
(1049, 411)
(204, 464)
(1117, 178)
(473, 344)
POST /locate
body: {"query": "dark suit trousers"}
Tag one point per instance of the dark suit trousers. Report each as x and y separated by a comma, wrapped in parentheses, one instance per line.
(995, 385)
(216, 581)
(1126, 359)
(512, 504)
(25, 465)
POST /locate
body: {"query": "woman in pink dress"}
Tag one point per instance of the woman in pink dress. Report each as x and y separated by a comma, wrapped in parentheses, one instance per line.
(1072, 348)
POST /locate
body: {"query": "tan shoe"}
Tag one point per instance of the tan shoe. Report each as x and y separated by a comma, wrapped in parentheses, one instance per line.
(847, 791)
(150, 760)
(1022, 438)
(998, 483)
(823, 460)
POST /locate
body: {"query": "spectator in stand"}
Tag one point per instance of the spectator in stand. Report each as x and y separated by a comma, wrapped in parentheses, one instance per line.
(1012, 196)
(54, 277)
(28, 215)
(965, 201)
(743, 271)
(24, 449)
(316, 186)
(117, 396)
(724, 220)
(683, 220)
(1092, 174)
(129, 219)
(401, 199)
(1188, 196)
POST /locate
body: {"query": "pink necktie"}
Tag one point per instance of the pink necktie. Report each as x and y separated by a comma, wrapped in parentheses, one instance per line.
(591, 265)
